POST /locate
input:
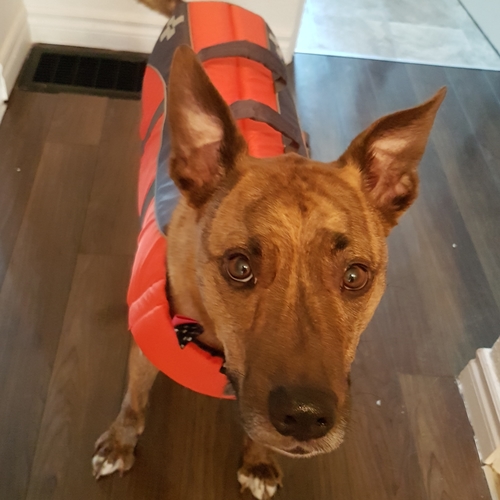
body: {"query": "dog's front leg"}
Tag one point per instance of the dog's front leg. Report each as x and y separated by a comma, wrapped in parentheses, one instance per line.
(260, 473)
(114, 450)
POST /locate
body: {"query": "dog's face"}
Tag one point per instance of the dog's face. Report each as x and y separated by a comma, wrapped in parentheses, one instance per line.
(291, 268)
(289, 255)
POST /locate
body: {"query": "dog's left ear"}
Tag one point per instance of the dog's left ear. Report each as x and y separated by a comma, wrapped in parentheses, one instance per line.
(388, 153)
(205, 139)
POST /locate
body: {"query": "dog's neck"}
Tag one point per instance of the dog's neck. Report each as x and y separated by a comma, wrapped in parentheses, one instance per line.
(181, 263)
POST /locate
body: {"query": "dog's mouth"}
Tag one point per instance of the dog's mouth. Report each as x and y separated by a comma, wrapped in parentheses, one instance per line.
(299, 451)
(304, 450)
(265, 427)
(260, 430)
(293, 448)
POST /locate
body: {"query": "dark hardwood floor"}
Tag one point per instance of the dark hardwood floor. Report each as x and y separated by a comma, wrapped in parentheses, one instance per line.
(68, 166)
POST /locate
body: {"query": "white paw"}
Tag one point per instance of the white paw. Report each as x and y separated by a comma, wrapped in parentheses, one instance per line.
(257, 486)
(104, 467)
(114, 451)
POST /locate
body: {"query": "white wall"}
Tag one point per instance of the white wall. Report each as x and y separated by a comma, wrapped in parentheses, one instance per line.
(127, 25)
(486, 13)
(283, 17)
(14, 39)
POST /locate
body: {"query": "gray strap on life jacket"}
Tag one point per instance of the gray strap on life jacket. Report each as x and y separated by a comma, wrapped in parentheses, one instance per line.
(248, 50)
(263, 113)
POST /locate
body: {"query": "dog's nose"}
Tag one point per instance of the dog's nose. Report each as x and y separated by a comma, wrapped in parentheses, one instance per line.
(302, 412)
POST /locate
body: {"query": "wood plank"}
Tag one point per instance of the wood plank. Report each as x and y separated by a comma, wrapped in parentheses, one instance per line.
(436, 292)
(196, 430)
(382, 459)
(450, 465)
(112, 223)
(87, 380)
(33, 300)
(78, 119)
(482, 110)
(470, 179)
(22, 135)
(319, 478)
(341, 113)
(493, 78)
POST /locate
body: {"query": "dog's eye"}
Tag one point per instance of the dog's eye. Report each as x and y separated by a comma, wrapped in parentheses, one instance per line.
(355, 277)
(238, 268)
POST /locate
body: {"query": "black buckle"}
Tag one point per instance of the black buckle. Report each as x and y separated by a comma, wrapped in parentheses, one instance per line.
(187, 332)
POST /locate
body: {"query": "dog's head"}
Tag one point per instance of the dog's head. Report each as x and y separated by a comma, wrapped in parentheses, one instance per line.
(286, 257)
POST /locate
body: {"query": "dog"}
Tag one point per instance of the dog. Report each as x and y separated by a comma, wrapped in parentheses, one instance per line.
(282, 260)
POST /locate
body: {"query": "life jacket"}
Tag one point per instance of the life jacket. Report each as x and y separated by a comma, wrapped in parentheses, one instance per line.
(240, 55)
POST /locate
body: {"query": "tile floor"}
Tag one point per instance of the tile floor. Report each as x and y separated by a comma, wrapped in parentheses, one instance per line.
(437, 32)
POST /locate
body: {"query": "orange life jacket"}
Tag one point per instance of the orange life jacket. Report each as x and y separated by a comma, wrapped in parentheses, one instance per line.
(239, 53)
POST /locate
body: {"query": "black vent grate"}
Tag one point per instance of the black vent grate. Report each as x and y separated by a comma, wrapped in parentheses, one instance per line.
(52, 68)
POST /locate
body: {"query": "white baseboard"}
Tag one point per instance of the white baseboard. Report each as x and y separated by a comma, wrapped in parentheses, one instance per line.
(3, 94)
(480, 388)
(96, 28)
(15, 47)
(106, 29)
(3, 109)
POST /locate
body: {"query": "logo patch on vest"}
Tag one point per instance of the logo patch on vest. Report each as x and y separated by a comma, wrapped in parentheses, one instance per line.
(169, 30)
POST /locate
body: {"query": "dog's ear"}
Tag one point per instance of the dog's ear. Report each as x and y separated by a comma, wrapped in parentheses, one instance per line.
(204, 138)
(388, 153)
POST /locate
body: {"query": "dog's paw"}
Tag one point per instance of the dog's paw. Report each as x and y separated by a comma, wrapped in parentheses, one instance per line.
(114, 451)
(262, 480)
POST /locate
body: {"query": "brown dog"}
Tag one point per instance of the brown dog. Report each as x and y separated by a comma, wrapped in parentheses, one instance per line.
(283, 262)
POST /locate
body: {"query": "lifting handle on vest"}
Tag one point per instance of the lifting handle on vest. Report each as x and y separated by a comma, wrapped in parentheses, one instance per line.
(248, 50)
(262, 113)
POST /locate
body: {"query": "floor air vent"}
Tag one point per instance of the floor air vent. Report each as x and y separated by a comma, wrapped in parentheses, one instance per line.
(54, 68)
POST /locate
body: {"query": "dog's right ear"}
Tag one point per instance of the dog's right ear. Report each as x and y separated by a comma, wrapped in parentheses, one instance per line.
(205, 139)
